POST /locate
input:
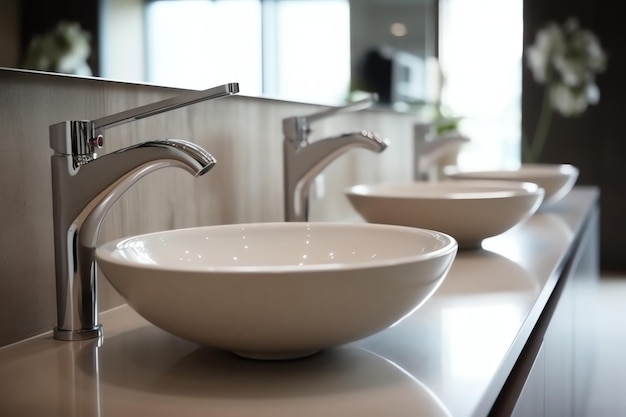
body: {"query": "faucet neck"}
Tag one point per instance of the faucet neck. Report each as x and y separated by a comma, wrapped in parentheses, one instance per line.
(81, 198)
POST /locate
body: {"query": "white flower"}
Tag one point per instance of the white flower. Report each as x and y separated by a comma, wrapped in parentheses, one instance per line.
(74, 60)
(566, 101)
(567, 60)
(539, 55)
(65, 49)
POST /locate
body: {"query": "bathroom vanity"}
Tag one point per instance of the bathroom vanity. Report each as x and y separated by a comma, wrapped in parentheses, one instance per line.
(507, 333)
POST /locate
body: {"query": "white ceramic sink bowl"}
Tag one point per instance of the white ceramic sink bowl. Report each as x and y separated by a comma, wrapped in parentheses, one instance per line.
(556, 179)
(469, 211)
(278, 290)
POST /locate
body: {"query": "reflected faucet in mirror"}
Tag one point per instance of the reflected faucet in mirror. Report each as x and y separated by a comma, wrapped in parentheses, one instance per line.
(429, 149)
(85, 186)
(304, 160)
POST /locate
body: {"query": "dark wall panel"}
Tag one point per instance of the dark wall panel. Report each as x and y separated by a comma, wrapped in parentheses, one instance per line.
(595, 141)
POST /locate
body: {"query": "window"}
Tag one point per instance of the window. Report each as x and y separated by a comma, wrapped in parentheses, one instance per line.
(289, 49)
(200, 44)
(480, 54)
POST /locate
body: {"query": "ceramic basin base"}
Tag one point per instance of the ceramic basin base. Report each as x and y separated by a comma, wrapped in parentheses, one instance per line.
(265, 356)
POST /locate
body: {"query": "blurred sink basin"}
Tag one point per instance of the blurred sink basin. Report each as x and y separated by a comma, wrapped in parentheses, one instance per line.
(278, 290)
(470, 211)
(556, 179)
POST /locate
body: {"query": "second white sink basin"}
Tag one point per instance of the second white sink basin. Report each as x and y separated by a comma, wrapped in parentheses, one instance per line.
(278, 290)
(557, 180)
(470, 211)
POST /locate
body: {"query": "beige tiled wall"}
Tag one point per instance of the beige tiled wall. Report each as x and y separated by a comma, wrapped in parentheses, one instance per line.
(243, 133)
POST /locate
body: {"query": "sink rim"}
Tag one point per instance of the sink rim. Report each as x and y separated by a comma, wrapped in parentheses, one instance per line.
(444, 242)
(451, 189)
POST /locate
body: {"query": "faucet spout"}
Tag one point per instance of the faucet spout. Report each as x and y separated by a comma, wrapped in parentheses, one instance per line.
(303, 164)
(84, 187)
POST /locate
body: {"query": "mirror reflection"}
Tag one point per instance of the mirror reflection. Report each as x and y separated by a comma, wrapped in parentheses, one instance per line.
(318, 51)
(322, 58)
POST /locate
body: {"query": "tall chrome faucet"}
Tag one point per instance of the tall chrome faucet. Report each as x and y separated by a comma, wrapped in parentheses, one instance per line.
(304, 160)
(84, 187)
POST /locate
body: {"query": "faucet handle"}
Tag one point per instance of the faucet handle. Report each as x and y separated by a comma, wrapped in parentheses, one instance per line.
(298, 128)
(77, 139)
(82, 139)
(172, 103)
(350, 107)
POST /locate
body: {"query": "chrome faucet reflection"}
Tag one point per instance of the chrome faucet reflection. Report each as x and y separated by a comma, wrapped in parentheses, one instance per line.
(84, 187)
(429, 149)
(304, 160)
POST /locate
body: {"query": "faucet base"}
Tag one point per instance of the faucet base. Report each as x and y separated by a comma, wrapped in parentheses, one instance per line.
(82, 334)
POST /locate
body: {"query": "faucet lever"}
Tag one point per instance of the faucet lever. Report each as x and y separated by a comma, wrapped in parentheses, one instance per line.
(350, 107)
(297, 128)
(172, 103)
(81, 139)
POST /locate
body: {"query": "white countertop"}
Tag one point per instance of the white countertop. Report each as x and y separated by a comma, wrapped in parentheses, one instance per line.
(450, 357)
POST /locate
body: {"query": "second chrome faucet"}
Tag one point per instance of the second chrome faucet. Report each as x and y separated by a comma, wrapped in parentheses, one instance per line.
(304, 160)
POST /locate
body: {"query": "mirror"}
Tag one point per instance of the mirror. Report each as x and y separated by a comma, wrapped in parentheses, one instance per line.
(316, 51)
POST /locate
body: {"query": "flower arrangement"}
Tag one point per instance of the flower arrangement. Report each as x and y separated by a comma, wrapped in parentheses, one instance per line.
(566, 59)
(64, 49)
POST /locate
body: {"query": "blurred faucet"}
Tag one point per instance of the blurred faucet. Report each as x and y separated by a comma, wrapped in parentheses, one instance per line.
(84, 187)
(304, 160)
(429, 149)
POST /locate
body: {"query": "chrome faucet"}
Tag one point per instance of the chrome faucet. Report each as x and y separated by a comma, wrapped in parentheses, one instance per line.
(84, 187)
(429, 149)
(304, 160)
